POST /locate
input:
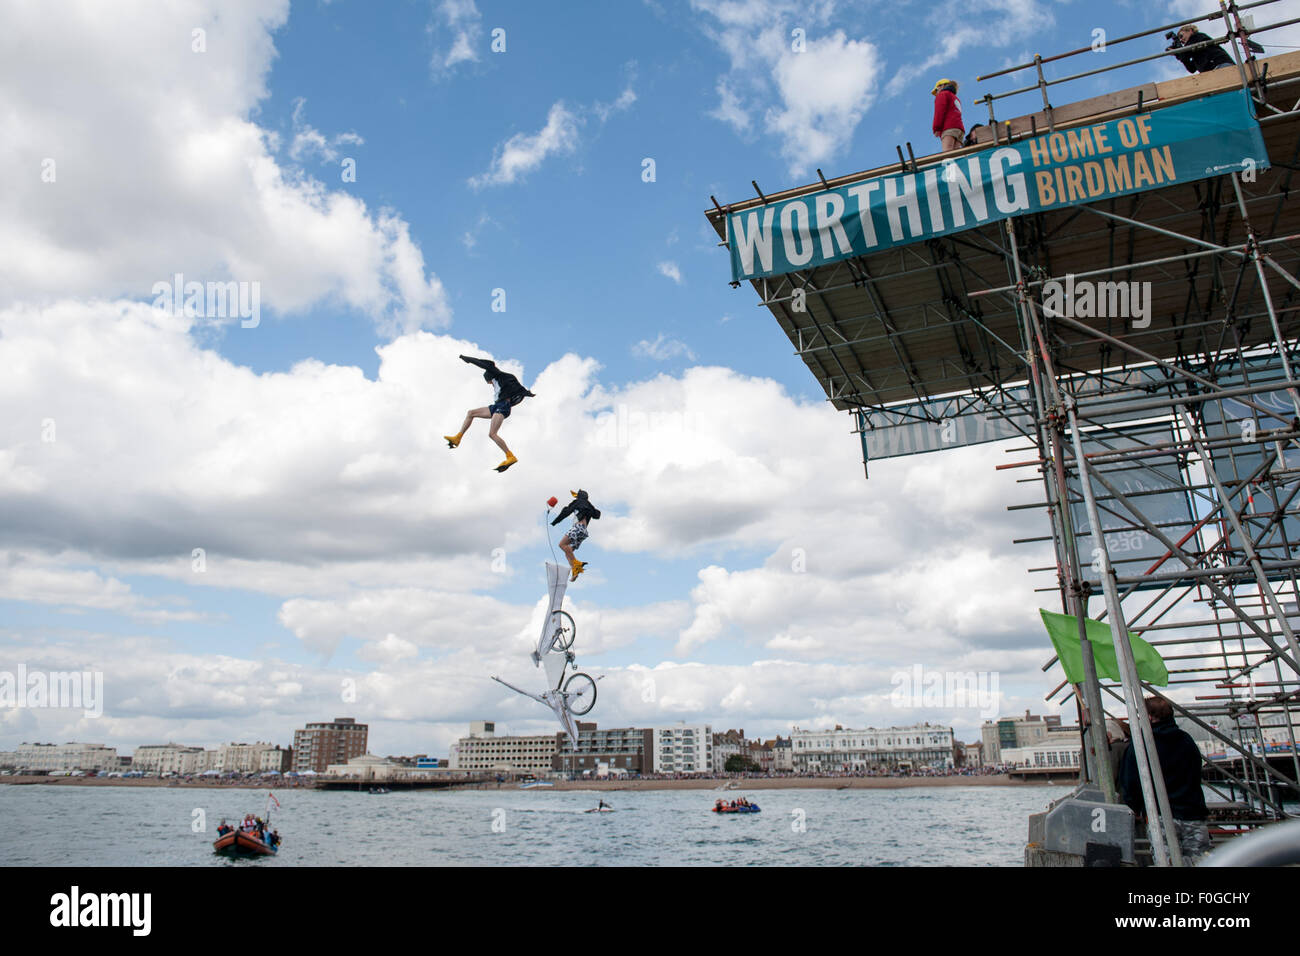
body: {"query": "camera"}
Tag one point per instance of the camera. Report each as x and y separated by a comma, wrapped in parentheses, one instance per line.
(1174, 42)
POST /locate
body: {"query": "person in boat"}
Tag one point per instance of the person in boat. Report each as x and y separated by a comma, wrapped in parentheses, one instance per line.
(718, 805)
(603, 805)
(507, 393)
(223, 828)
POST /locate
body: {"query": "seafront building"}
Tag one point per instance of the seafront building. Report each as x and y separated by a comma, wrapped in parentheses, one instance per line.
(173, 758)
(726, 745)
(618, 750)
(891, 748)
(60, 758)
(336, 742)
(1061, 754)
(484, 750)
(251, 758)
(681, 749)
(676, 749)
(1025, 731)
(782, 755)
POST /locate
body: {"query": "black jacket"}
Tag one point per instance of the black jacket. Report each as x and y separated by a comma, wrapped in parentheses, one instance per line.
(512, 392)
(1206, 59)
(581, 506)
(1180, 761)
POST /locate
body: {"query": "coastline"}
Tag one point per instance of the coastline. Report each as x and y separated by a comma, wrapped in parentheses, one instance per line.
(703, 783)
(798, 783)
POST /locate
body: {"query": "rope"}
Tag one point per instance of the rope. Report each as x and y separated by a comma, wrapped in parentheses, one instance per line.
(546, 521)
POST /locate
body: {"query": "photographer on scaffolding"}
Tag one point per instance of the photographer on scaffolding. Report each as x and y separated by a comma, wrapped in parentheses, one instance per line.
(1205, 59)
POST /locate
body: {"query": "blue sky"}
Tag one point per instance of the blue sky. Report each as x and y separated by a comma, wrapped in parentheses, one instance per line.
(303, 454)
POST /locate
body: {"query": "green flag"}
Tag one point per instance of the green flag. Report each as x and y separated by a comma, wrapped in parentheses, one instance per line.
(1063, 629)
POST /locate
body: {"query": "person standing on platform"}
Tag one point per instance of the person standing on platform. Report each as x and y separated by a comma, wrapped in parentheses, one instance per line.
(947, 126)
(1180, 764)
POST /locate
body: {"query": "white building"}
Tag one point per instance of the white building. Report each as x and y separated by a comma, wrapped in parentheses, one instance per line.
(56, 758)
(681, 749)
(366, 767)
(1053, 755)
(890, 748)
(484, 750)
(170, 758)
(248, 758)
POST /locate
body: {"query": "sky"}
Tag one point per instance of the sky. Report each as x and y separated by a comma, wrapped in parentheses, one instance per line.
(246, 519)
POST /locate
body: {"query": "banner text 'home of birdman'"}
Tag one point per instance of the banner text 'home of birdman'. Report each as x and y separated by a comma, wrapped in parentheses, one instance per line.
(1149, 150)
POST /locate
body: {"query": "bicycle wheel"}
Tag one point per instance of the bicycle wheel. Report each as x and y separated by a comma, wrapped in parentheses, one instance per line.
(565, 631)
(581, 691)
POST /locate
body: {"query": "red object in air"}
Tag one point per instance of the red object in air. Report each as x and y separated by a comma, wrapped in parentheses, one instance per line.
(552, 501)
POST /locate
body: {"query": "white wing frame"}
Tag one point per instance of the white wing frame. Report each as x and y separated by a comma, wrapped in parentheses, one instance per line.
(552, 660)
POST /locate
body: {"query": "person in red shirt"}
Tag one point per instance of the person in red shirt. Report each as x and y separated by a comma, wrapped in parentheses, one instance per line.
(948, 124)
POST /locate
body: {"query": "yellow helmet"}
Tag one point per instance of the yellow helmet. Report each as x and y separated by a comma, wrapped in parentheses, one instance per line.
(940, 85)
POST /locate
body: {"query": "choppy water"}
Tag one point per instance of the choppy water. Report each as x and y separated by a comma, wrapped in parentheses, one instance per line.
(117, 826)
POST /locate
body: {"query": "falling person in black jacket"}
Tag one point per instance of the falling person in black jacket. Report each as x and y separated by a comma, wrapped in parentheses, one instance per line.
(583, 511)
(508, 393)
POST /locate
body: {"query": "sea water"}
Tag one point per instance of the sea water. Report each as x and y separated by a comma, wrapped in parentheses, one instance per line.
(52, 825)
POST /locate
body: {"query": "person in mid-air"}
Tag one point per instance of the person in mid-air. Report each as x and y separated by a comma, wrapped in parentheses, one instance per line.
(508, 392)
(583, 511)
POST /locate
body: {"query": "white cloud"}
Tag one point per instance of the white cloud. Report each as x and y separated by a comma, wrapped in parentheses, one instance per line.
(309, 141)
(729, 108)
(144, 131)
(988, 24)
(811, 98)
(464, 23)
(603, 111)
(41, 580)
(524, 152)
(670, 270)
(336, 494)
(662, 349)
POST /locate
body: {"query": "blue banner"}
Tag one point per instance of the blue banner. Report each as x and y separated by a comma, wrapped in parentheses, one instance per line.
(1176, 144)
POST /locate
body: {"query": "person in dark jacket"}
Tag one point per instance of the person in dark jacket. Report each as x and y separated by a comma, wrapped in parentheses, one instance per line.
(583, 512)
(508, 393)
(1180, 764)
(947, 124)
(1203, 60)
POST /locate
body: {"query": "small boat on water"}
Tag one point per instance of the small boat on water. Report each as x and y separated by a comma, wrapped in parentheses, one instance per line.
(745, 807)
(535, 783)
(253, 837)
(245, 843)
(379, 790)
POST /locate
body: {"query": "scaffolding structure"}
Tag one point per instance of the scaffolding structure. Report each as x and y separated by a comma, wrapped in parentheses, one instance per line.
(1177, 436)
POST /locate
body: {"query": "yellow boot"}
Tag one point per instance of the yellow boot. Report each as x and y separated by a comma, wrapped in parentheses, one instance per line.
(577, 567)
(453, 440)
(510, 460)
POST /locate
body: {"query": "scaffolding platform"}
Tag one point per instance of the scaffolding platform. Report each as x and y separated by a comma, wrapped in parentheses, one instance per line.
(939, 301)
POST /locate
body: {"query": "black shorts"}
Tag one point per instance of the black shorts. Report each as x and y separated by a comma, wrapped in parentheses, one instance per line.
(499, 408)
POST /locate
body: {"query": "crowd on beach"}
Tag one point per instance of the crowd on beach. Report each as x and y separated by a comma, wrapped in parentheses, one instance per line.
(821, 774)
